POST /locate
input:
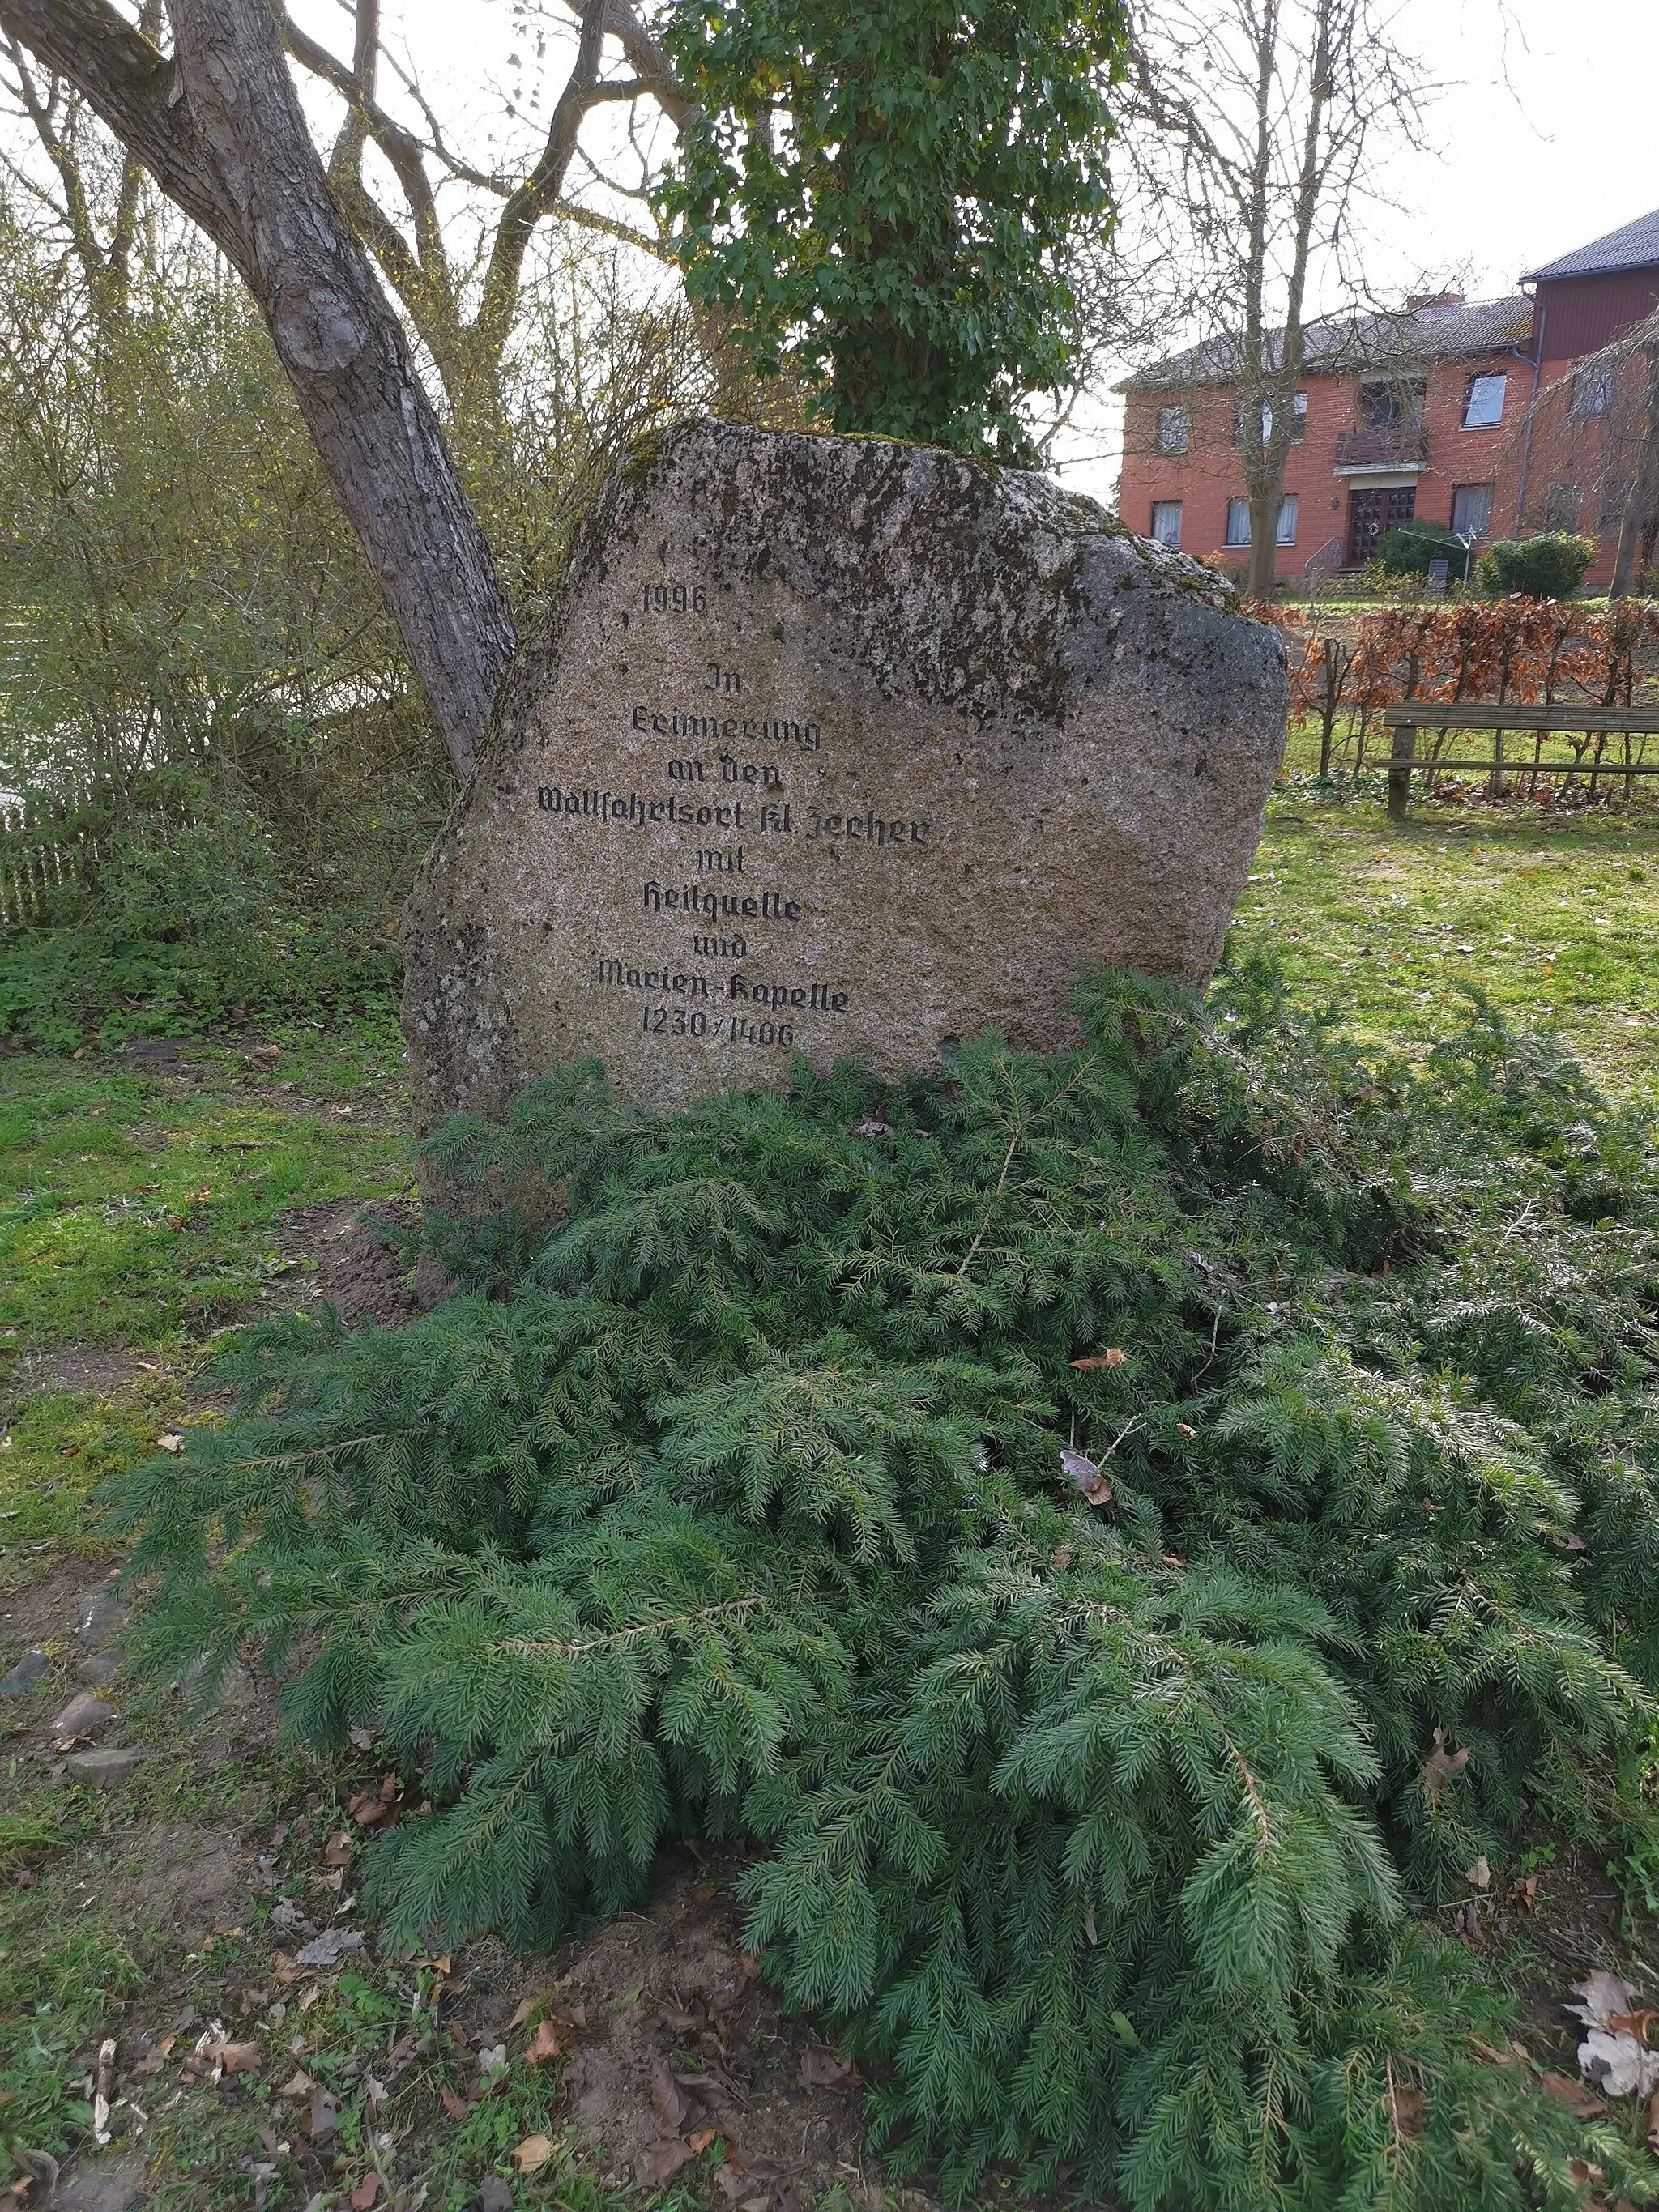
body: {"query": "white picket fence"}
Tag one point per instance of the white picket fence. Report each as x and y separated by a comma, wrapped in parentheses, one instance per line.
(41, 849)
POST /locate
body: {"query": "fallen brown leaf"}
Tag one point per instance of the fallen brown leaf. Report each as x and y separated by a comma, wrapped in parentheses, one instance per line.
(1634, 2023)
(457, 2107)
(821, 2068)
(1584, 2174)
(1406, 2103)
(151, 2063)
(676, 2018)
(339, 1851)
(1484, 2050)
(699, 2139)
(1479, 1876)
(324, 2117)
(1438, 1768)
(1573, 2094)
(1112, 1358)
(532, 2154)
(549, 2041)
(365, 2193)
(368, 1808)
(663, 2161)
(300, 2085)
(235, 2057)
(1523, 1892)
(673, 2107)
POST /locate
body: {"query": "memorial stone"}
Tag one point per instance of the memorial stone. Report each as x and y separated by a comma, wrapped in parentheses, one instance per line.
(838, 748)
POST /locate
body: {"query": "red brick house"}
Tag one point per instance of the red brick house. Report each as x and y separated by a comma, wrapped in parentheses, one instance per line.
(1430, 412)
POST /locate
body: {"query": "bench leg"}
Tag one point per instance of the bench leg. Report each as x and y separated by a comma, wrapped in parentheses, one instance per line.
(1400, 770)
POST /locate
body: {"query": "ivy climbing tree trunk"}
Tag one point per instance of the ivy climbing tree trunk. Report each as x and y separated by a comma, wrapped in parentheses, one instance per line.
(218, 125)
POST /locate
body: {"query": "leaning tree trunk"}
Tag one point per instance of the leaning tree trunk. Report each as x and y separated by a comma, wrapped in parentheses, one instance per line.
(219, 126)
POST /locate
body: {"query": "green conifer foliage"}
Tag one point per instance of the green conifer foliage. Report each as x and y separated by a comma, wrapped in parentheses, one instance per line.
(1104, 1804)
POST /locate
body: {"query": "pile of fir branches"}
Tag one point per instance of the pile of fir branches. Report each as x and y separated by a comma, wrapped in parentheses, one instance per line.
(1118, 1533)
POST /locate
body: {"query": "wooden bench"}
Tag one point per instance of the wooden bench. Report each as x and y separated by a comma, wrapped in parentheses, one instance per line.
(1588, 722)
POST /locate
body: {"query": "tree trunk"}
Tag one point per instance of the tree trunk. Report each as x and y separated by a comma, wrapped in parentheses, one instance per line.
(219, 127)
(1265, 502)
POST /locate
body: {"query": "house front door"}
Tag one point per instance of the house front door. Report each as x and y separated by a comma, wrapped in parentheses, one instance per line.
(1372, 514)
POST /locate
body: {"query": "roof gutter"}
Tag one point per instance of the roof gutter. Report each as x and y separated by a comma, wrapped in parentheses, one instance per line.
(1541, 306)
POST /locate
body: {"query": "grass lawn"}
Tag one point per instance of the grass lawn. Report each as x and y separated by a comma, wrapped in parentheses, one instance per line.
(1552, 919)
(141, 1215)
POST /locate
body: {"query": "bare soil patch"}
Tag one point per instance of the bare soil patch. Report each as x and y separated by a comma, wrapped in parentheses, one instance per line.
(41, 1607)
(681, 2036)
(97, 1368)
(356, 1269)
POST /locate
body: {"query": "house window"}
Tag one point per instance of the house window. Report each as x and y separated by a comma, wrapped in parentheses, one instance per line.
(1562, 506)
(1238, 521)
(1592, 391)
(1175, 426)
(1166, 522)
(1242, 417)
(1615, 498)
(1483, 409)
(1392, 406)
(1471, 510)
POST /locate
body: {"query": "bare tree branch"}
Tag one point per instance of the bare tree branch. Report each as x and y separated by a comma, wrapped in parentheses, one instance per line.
(541, 188)
(137, 93)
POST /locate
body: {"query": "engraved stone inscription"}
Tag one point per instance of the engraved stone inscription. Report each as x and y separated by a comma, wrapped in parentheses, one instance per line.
(842, 750)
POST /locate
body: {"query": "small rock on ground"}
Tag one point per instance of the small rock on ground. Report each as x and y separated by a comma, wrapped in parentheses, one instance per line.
(30, 1669)
(99, 1619)
(102, 2184)
(104, 1769)
(101, 1667)
(83, 1716)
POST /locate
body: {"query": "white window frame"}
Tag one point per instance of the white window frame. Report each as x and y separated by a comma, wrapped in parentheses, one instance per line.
(1484, 529)
(1237, 510)
(1163, 508)
(1483, 385)
(1288, 509)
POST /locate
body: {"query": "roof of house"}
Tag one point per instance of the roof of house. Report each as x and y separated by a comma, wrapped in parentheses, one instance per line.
(1635, 247)
(1394, 340)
